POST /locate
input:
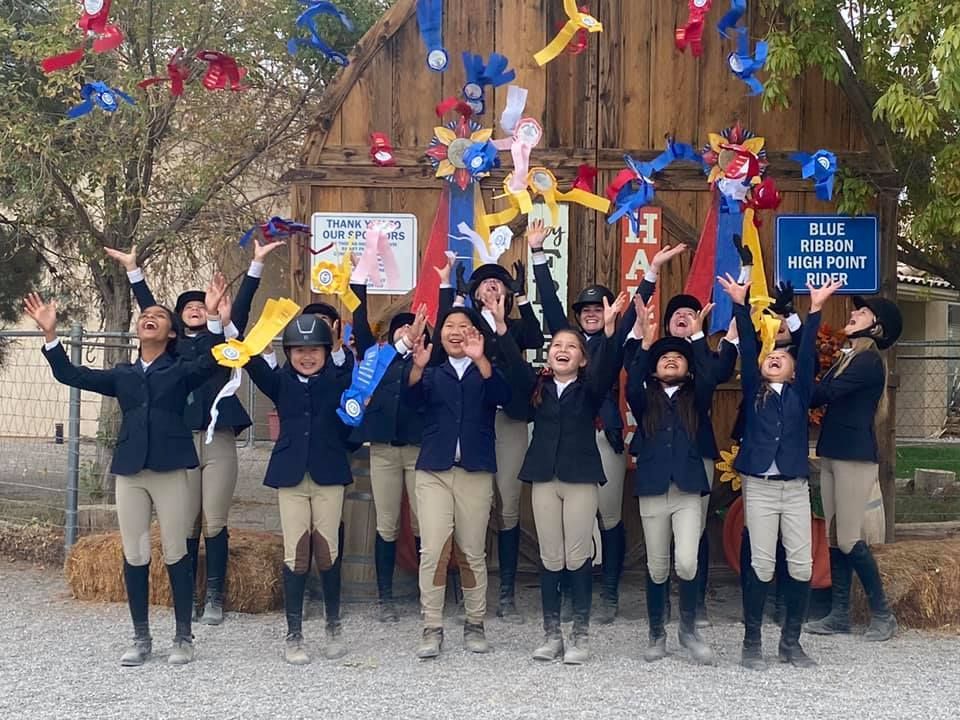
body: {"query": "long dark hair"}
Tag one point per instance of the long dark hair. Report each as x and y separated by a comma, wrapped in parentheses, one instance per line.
(175, 325)
(658, 406)
(546, 374)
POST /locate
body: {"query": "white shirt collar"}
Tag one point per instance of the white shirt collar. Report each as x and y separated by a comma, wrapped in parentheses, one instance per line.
(777, 388)
(671, 390)
(460, 365)
(561, 386)
(488, 316)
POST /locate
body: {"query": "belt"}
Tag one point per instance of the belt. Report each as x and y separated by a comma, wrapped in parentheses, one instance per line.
(778, 477)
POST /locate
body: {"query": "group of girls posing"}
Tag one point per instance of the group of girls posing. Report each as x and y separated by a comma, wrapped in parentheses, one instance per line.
(449, 423)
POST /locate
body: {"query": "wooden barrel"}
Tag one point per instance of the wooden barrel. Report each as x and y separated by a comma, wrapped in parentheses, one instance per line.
(359, 573)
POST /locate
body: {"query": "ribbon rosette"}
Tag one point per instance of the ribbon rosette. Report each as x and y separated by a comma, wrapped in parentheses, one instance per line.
(381, 150)
(577, 20)
(367, 375)
(692, 32)
(727, 472)
(101, 95)
(332, 279)
(481, 159)
(223, 72)
(745, 64)
(544, 183)
(93, 21)
(177, 75)
(237, 353)
(308, 22)
(479, 76)
(822, 167)
(430, 22)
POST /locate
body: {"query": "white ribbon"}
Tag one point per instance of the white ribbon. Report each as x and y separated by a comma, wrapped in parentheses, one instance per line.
(516, 102)
(233, 384)
(486, 255)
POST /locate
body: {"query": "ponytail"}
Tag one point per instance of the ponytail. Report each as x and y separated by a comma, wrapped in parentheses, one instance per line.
(858, 346)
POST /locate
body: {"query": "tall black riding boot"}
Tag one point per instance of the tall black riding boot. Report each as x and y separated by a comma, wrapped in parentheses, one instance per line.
(294, 585)
(689, 635)
(838, 620)
(883, 624)
(754, 597)
(193, 551)
(797, 596)
(703, 573)
(780, 575)
(552, 646)
(566, 597)
(181, 586)
(508, 547)
(746, 557)
(581, 584)
(657, 648)
(217, 552)
(136, 578)
(614, 543)
(335, 646)
(385, 559)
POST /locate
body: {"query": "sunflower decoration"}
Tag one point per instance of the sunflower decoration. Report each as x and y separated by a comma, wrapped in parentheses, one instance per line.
(450, 143)
(727, 471)
(326, 277)
(734, 153)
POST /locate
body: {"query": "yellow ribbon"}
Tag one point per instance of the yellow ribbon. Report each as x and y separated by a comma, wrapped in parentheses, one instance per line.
(577, 21)
(331, 279)
(548, 188)
(520, 202)
(276, 315)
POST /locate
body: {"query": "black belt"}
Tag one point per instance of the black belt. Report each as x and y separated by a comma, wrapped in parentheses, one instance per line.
(778, 477)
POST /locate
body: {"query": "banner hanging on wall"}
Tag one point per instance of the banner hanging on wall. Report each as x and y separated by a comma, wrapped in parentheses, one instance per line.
(557, 249)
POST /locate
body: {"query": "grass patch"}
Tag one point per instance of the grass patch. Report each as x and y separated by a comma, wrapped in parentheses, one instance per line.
(937, 457)
(918, 508)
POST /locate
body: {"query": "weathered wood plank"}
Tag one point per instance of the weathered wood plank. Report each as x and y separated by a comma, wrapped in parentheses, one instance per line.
(675, 77)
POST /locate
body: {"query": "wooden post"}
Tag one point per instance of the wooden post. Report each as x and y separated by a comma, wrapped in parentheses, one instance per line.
(886, 439)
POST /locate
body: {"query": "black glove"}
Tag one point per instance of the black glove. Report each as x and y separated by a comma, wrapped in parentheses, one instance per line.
(519, 284)
(783, 299)
(463, 289)
(746, 257)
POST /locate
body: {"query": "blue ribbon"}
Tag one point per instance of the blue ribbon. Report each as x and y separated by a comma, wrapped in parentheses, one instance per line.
(308, 21)
(630, 199)
(461, 210)
(729, 223)
(738, 9)
(481, 159)
(744, 65)
(367, 374)
(275, 227)
(481, 75)
(822, 167)
(430, 21)
(347, 334)
(101, 95)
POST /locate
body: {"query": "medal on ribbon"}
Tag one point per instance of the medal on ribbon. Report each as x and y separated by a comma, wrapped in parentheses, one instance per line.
(692, 32)
(430, 22)
(745, 64)
(308, 23)
(177, 75)
(367, 374)
(480, 76)
(99, 95)
(332, 279)
(500, 240)
(576, 21)
(738, 9)
(822, 167)
(223, 72)
(526, 136)
(381, 150)
(544, 183)
(94, 21)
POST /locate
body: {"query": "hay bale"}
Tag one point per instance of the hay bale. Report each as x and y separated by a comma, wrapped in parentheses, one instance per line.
(94, 571)
(922, 582)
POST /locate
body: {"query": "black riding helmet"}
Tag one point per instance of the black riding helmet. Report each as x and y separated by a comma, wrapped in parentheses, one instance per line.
(888, 316)
(676, 303)
(188, 296)
(306, 331)
(487, 272)
(592, 295)
(670, 344)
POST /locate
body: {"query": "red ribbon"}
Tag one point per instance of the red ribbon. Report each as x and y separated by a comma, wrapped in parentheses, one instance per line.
(581, 39)
(692, 32)
(223, 72)
(624, 177)
(586, 179)
(453, 103)
(381, 150)
(176, 75)
(763, 196)
(109, 37)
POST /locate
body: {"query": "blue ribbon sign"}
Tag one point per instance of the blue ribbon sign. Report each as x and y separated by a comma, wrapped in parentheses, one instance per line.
(366, 376)
(308, 22)
(738, 9)
(745, 64)
(430, 21)
(822, 167)
(101, 95)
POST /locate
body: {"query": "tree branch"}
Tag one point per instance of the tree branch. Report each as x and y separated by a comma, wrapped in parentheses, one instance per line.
(71, 199)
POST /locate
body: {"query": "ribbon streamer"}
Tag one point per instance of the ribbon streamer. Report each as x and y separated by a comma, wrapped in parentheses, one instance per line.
(738, 9)
(101, 95)
(381, 150)
(93, 21)
(223, 72)
(430, 22)
(516, 103)
(577, 20)
(308, 22)
(275, 228)
(692, 31)
(822, 167)
(177, 75)
(500, 240)
(543, 182)
(332, 279)
(367, 374)
(745, 64)
(480, 76)
(453, 103)
(586, 178)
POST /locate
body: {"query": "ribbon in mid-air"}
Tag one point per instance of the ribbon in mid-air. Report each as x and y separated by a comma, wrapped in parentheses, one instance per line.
(738, 8)
(177, 75)
(543, 182)
(308, 22)
(822, 167)
(276, 228)
(99, 95)
(93, 21)
(430, 22)
(576, 20)
(223, 72)
(367, 374)
(692, 31)
(481, 159)
(481, 75)
(745, 64)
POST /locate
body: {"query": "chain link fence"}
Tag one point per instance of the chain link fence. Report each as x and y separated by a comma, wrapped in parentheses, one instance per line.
(928, 396)
(56, 442)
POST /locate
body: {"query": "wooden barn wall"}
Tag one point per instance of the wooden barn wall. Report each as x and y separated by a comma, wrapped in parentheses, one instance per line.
(628, 91)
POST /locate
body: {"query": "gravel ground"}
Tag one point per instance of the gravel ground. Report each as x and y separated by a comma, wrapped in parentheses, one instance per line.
(59, 659)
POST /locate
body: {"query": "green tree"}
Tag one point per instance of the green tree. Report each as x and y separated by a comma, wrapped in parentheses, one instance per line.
(899, 63)
(172, 176)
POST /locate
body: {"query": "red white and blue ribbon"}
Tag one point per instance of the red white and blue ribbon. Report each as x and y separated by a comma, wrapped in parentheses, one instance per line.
(822, 167)
(276, 228)
(480, 75)
(745, 64)
(430, 22)
(367, 374)
(177, 75)
(94, 21)
(738, 8)
(99, 95)
(692, 31)
(308, 23)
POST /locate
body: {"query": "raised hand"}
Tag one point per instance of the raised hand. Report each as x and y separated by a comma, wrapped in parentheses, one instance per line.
(261, 250)
(746, 255)
(536, 234)
(444, 270)
(699, 318)
(645, 326)
(498, 308)
(216, 289)
(737, 292)
(417, 328)
(612, 312)
(818, 296)
(473, 344)
(463, 288)
(519, 284)
(421, 352)
(783, 299)
(43, 314)
(665, 255)
(127, 259)
(225, 308)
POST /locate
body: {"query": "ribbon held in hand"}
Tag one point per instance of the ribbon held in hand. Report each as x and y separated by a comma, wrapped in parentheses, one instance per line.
(94, 21)
(692, 32)
(745, 64)
(223, 72)
(822, 167)
(576, 21)
(99, 95)
(367, 374)
(430, 22)
(308, 22)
